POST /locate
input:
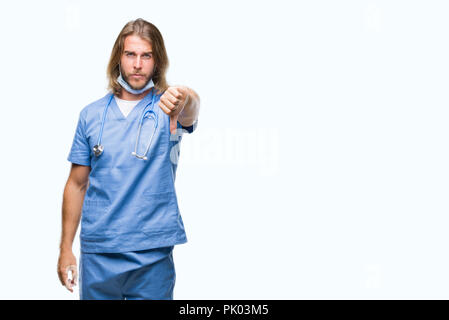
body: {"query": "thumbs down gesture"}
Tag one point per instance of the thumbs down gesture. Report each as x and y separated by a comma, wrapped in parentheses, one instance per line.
(172, 102)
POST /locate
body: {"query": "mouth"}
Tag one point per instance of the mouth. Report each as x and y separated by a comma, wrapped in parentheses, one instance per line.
(137, 76)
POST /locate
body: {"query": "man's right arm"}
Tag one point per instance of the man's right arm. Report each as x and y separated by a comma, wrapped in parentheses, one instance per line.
(74, 192)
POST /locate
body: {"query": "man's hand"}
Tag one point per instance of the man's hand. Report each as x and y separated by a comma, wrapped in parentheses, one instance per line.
(172, 102)
(66, 263)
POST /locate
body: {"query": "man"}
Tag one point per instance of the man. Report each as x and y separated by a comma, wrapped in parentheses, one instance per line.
(121, 185)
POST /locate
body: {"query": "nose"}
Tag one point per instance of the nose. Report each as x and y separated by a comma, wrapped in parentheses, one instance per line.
(137, 63)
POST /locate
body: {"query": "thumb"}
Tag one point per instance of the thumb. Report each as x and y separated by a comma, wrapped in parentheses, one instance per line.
(173, 123)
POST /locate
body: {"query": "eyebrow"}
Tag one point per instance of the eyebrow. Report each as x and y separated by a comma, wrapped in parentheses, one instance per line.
(126, 51)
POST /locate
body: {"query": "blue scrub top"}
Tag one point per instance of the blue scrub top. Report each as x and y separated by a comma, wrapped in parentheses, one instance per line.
(130, 203)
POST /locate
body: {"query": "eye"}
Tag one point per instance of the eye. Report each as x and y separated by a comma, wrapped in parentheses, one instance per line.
(147, 55)
(129, 54)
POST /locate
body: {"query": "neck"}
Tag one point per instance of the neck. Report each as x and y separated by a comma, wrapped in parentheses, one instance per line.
(125, 95)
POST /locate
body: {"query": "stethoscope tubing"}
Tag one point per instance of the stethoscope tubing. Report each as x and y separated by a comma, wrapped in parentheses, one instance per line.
(98, 148)
(154, 116)
(103, 120)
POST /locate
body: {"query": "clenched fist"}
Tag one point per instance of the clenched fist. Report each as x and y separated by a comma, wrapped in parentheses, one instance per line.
(172, 102)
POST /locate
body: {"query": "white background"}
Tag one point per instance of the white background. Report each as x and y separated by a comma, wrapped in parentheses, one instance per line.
(319, 169)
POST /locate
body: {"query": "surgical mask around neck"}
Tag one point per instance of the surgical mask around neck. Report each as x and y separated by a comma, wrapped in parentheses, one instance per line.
(128, 88)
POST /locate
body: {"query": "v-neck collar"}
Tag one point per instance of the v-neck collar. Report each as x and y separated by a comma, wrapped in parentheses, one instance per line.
(137, 108)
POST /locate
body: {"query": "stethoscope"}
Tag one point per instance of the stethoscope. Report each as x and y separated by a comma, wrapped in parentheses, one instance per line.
(98, 148)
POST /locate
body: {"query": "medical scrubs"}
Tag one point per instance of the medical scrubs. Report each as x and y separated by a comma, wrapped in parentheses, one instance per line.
(148, 274)
(130, 205)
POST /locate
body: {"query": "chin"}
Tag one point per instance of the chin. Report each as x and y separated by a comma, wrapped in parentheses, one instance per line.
(139, 84)
(136, 87)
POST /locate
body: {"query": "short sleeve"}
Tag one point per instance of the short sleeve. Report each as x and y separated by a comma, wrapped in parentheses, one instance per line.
(189, 129)
(80, 151)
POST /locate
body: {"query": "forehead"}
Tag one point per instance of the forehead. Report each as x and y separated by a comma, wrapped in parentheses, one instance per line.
(135, 43)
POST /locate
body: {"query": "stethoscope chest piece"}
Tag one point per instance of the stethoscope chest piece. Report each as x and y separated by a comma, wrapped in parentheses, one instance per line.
(98, 150)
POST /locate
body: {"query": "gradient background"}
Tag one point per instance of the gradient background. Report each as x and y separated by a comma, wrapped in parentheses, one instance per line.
(319, 166)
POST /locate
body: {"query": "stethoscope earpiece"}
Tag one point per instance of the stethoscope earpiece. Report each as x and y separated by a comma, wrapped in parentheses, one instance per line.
(140, 157)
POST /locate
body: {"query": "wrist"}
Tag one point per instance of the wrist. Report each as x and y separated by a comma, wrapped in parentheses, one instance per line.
(65, 248)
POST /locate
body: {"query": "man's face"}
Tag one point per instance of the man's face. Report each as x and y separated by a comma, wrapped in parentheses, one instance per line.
(136, 62)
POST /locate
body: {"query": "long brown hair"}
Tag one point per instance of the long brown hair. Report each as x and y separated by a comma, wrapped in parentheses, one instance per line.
(149, 32)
